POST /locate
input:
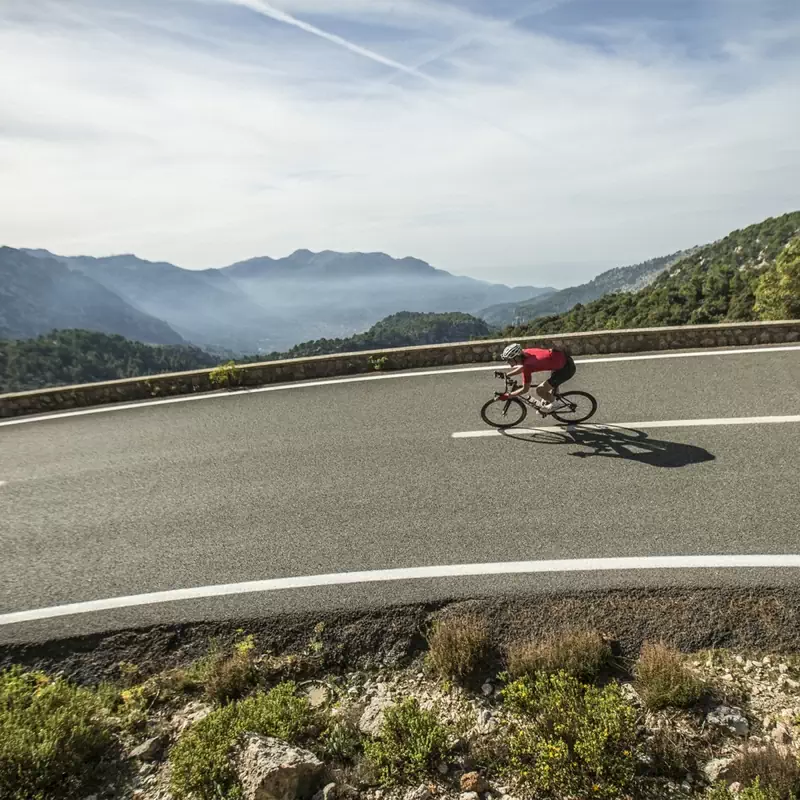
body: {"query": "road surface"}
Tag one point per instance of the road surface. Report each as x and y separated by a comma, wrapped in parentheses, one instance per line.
(366, 474)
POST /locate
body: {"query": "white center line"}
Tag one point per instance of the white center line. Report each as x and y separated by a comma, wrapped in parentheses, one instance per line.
(656, 423)
(310, 384)
(412, 573)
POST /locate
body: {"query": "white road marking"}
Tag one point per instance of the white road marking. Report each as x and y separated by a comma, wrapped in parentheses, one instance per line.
(411, 573)
(279, 387)
(657, 423)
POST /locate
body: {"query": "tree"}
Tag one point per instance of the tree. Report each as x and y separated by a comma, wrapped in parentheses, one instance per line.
(778, 291)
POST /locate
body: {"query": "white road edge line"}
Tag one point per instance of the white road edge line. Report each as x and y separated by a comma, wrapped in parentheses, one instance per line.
(361, 378)
(410, 573)
(658, 423)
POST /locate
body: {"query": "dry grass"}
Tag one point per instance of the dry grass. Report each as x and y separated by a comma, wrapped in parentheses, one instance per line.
(663, 679)
(777, 768)
(458, 644)
(581, 653)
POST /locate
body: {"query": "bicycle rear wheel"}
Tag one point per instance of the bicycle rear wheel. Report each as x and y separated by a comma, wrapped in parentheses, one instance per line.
(504, 413)
(580, 406)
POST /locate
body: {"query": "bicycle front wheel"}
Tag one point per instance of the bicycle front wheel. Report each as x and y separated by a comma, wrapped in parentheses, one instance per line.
(504, 413)
(579, 407)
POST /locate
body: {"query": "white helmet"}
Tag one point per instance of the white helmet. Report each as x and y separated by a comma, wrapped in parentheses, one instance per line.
(512, 351)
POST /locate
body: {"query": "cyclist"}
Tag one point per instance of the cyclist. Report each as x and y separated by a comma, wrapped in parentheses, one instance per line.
(530, 360)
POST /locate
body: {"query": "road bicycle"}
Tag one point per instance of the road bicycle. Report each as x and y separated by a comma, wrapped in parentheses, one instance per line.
(503, 411)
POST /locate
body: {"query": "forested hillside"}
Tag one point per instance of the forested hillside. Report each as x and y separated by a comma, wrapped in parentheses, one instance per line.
(405, 329)
(78, 356)
(716, 283)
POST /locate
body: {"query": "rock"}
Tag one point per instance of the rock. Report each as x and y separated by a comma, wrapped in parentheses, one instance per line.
(188, 715)
(630, 694)
(739, 660)
(729, 718)
(469, 796)
(474, 782)
(735, 787)
(783, 668)
(270, 769)
(487, 689)
(716, 768)
(442, 768)
(372, 717)
(782, 734)
(151, 750)
(422, 792)
(767, 722)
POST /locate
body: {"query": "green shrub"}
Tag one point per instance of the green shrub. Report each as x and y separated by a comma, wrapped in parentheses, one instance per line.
(755, 791)
(457, 645)
(582, 654)
(229, 676)
(377, 362)
(663, 679)
(342, 740)
(199, 761)
(225, 375)
(410, 745)
(570, 739)
(54, 737)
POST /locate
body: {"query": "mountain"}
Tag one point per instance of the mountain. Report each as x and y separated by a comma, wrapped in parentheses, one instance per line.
(619, 279)
(267, 304)
(404, 329)
(205, 306)
(335, 294)
(750, 274)
(79, 356)
(39, 293)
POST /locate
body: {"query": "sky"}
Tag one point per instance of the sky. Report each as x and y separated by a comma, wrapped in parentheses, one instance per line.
(526, 142)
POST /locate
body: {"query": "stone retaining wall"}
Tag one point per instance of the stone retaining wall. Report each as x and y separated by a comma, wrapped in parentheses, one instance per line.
(178, 383)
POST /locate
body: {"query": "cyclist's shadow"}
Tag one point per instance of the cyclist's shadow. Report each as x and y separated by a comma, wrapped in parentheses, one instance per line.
(613, 442)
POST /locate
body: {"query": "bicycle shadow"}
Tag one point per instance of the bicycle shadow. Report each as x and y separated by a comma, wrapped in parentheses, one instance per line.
(608, 441)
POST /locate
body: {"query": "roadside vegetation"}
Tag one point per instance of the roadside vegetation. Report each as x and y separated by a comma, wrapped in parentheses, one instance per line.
(556, 716)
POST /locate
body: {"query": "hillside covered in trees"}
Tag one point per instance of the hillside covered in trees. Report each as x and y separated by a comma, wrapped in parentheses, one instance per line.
(77, 356)
(404, 329)
(751, 274)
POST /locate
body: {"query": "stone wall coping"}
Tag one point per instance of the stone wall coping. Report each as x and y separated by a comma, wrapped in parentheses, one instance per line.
(562, 338)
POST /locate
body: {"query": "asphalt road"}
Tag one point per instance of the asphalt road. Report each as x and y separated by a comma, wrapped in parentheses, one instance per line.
(364, 475)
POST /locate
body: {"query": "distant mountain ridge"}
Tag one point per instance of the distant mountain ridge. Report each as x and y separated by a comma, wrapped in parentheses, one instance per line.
(266, 304)
(39, 293)
(618, 279)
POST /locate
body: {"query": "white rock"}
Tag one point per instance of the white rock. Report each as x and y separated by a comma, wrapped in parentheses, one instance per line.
(729, 718)
(715, 768)
(270, 769)
(487, 689)
(739, 660)
(783, 668)
(442, 768)
(782, 734)
(735, 787)
(469, 796)
(372, 717)
(420, 793)
(188, 715)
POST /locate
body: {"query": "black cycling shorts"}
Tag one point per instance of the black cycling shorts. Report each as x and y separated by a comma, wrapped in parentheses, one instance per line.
(564, 374)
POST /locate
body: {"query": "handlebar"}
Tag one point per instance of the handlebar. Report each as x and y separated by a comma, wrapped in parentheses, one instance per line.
(511, 384)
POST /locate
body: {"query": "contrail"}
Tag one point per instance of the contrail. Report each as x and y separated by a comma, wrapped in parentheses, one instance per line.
(281, 16)
(534, 9)
(262, 7)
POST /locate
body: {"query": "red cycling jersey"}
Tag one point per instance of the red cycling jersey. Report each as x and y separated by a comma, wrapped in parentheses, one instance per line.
(535, 360)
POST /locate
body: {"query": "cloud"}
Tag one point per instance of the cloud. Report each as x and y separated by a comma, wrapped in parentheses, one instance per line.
(204, 132)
